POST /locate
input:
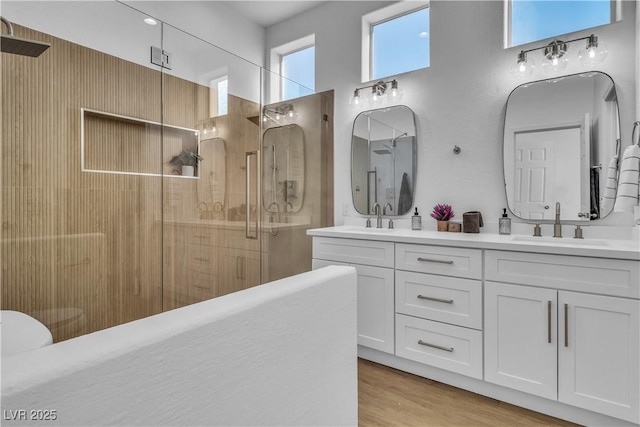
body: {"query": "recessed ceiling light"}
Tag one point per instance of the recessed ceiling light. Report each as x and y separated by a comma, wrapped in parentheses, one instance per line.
(423, 34)
(150, 21)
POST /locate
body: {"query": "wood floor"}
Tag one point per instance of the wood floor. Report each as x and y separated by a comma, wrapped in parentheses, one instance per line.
(388, 397)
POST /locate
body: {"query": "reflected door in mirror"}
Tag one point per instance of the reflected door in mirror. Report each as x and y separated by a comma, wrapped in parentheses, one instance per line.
(559, 135)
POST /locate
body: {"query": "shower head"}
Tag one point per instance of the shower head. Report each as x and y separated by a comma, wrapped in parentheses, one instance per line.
(393, 140)
(19, 46)
(382, 151)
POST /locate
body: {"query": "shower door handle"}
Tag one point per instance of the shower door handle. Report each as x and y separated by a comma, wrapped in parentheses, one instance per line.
(247, 220)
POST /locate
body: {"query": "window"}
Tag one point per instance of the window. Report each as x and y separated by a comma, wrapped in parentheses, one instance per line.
(218, 93)
(533, 20)
(294, 69)
(299, 72)
(395, 40)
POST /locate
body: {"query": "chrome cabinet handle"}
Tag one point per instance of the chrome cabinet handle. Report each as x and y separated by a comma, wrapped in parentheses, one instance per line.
(549, 322)
(439, 347)
(566, 325)
(446, 301)
(201, 259)
(439, 261)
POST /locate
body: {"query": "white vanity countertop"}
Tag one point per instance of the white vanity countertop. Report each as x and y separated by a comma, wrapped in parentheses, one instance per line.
(233, 225)
(601, 248)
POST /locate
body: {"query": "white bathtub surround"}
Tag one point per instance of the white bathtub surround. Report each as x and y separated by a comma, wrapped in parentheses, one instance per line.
(283, 353)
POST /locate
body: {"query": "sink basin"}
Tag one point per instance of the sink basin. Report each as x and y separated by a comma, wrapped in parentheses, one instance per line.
(560, 241)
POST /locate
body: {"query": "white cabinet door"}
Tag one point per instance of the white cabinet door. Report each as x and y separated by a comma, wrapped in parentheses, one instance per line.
(375, 308)
(520, 336)
(599, 356)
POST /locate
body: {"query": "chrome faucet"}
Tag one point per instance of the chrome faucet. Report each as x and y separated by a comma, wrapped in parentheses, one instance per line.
(557, 226)
(376, 209)
(384, 212)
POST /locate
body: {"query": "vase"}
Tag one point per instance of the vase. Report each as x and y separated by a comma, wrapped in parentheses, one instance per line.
(443, 225)
(188, 170)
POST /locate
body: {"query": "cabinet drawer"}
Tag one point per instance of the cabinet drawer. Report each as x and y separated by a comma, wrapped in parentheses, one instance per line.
(203, 284)
(203, 259)
(444, 299)
(366, 252)
(613, 277)
(453, 348)
(457, 262)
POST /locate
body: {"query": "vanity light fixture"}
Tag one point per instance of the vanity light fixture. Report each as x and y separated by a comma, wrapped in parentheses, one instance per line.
(379, 91)
(207, 128)
(555, 59)
(279, 112)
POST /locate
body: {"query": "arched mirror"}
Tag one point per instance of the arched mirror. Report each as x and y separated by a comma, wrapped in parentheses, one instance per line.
(383, 160)
(561, 136)
(283, 169)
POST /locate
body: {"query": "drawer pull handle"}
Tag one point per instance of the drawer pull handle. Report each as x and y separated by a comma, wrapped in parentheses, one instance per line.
(549, 322)
(566, 325)
(446, 301)
(439, 261)
(439, 347)
(201, 236)
(201, 259)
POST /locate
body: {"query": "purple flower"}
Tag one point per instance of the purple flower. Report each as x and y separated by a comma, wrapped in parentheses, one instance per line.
(442, 212)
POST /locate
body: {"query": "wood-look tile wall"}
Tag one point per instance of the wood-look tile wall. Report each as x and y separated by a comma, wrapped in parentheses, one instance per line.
(89, 243)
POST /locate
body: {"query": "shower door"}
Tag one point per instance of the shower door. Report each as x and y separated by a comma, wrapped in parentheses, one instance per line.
(297, 179)
(211, 238)
(81, 170)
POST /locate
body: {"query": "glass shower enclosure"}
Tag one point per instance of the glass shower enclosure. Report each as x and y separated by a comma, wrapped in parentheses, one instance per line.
(131, 187)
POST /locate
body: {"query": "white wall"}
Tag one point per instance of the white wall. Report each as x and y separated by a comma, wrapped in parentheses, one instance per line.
(459, 100)
(283, 353)
(118, 29)
(111, 27)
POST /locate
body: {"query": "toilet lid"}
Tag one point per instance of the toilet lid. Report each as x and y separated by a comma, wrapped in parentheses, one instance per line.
(21, 333)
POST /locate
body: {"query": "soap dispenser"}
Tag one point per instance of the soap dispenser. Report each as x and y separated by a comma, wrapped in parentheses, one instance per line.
(504, 223)
(416, 221)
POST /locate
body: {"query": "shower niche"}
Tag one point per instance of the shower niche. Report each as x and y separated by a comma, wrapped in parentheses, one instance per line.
(283, 171)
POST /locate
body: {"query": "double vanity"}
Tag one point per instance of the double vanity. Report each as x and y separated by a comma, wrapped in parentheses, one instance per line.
(548, 324)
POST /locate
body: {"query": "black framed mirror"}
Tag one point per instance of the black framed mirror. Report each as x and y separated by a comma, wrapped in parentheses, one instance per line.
(561, 137)
(383, 160)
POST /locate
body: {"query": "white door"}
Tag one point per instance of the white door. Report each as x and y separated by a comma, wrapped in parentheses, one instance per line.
(599, 356)
(534, 170)
(521, 338)
(376, 308)
(549, 166)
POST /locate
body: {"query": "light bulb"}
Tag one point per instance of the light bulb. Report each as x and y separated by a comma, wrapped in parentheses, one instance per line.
(290, 114)
(355, 100)
(594, 53)
(395, 94)
(277, 116)
(555, 58)
(524, 66)
(264, 119)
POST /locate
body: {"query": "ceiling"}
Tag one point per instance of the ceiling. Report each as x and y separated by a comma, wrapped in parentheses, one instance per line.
(268, 12)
